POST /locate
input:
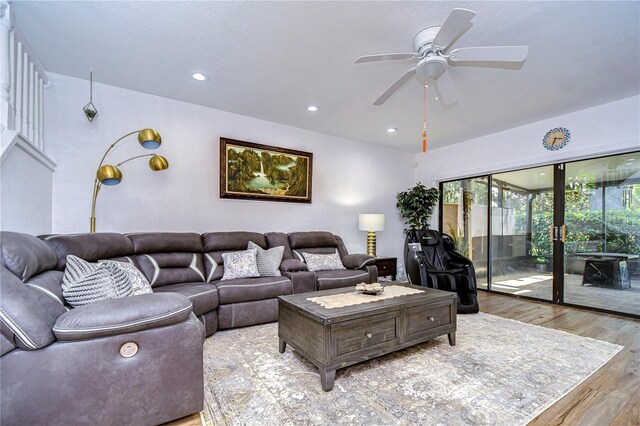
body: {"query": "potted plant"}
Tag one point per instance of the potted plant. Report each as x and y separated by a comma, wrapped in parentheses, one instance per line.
(541, 264)
(416, 207)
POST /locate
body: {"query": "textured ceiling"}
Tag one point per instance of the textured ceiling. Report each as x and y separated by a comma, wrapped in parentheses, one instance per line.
(271, 59)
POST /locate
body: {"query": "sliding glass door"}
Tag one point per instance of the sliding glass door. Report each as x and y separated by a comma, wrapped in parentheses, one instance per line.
(521, 220)
(464, 218)
(568, 233)
(602, 217)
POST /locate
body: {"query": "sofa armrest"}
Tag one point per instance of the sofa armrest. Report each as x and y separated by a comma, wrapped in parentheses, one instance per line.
(123, 315)
(357, 261)
(292, 265)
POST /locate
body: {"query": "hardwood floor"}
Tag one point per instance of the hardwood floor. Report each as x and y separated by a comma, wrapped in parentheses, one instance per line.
(611, 396)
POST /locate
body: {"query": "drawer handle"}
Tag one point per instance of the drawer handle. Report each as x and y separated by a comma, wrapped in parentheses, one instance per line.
(369, 335)
(432, 319)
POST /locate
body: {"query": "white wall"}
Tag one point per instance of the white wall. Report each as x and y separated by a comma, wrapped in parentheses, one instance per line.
(600, 130)
(25, 193)
(348, 177)
(603, 129)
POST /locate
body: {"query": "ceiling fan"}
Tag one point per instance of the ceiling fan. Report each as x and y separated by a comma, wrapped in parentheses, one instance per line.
(432, 46)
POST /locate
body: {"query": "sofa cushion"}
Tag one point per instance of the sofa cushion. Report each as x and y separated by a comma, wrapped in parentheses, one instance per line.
(84, 282)
(27, 315)
(312, 239)
(240, 264)
(231, 241)
(249, 289)
(204, 297)
(25, 255)
(171, 268)
(49, 283)
(90, 247)
(268, 260)
(342, 278)
(276, 239)
(166, 242)
(323, 262)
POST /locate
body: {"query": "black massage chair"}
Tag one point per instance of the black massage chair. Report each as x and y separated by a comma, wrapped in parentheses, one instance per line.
(431, 261)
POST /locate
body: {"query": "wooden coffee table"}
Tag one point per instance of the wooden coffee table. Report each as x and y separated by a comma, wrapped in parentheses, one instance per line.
(339, 337)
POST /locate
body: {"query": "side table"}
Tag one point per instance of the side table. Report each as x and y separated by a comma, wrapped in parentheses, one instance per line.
(387, 266)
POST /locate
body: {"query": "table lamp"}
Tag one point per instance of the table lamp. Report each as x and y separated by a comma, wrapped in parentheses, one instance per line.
(371, 222)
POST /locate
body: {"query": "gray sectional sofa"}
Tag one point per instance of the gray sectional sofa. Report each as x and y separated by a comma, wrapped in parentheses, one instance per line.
(138, 359)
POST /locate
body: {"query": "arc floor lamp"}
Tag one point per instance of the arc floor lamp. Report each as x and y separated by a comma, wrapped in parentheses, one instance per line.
(111, 175)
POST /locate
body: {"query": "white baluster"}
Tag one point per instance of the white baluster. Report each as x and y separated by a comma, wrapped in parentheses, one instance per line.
(32, 100)
(41, 115)
(36, 110)
(5, 69)
(18, 117)
(12, 81)
(25, 95)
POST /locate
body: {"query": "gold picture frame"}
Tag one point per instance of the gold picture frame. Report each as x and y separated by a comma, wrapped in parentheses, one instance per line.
(253, 171)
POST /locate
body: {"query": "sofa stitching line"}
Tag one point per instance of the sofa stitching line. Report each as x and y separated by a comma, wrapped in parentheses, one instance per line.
(10, 321)
(253, 285)
(343, 278)
(46, 291)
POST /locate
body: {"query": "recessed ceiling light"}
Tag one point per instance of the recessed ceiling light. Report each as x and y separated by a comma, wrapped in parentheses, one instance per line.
(392, 129)
(542, 174)
(631, 160)
(200, 77)
(312, 108)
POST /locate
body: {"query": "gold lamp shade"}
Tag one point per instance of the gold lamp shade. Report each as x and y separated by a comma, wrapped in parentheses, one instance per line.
(149, 138)
(109, 175)
(158, 162)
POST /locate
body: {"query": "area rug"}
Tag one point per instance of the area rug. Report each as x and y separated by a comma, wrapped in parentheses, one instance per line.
(501, 372)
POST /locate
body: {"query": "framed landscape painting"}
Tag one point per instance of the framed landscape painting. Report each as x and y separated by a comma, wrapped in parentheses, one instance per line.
(252, 171)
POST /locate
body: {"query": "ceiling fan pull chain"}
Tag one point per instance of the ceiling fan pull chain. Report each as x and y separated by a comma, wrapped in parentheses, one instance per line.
(424, 128)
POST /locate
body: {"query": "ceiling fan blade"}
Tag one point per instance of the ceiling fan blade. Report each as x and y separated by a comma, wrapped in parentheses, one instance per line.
(458, 22)
(395, 86)
(385, 57)
(447, 92)
(490, 54)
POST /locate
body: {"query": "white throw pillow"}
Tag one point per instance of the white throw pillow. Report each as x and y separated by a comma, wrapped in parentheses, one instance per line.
(240, 264)
(84, 282)
(323, 262)
(268, 260)
(139, 282)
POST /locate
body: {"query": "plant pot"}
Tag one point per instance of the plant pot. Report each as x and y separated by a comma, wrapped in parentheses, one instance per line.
(541, 267)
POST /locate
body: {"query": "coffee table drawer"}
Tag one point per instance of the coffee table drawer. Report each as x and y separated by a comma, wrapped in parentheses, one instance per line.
(353, 335)
(423, 317)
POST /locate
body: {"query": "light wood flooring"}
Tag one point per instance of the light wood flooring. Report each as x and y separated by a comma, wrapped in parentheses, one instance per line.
(540, 286)
(611, 396)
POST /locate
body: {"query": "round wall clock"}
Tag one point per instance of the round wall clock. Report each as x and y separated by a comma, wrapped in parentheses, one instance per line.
(556, 139)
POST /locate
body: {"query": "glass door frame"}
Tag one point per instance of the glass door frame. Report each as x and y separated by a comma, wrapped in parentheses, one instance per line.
(558, 231)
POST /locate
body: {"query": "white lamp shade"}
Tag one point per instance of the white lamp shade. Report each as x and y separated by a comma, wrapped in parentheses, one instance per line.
(371, 222)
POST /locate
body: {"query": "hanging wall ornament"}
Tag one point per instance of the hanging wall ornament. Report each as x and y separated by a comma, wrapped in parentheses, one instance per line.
(90, 109)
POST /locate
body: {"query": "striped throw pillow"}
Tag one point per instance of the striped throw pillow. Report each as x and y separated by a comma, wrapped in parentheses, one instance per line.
(84, 282)
(268, 260)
